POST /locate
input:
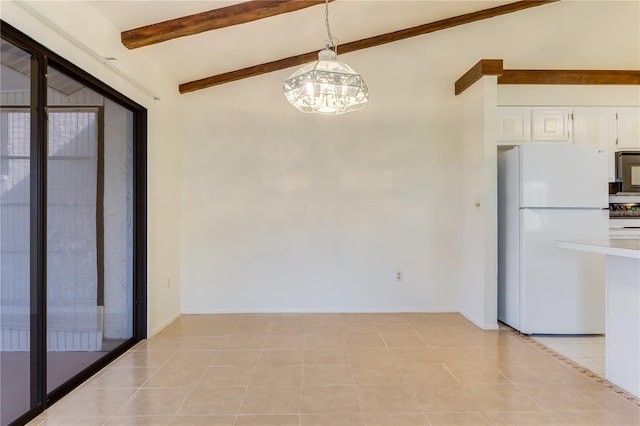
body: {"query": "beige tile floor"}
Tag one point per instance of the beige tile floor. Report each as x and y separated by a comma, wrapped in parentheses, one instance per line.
(340, 369)
(587, 351)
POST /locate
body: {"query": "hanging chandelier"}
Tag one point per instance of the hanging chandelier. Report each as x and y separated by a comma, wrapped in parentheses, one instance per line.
(326, 86)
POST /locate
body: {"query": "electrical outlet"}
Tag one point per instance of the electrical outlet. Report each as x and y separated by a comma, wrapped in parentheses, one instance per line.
(399, 276)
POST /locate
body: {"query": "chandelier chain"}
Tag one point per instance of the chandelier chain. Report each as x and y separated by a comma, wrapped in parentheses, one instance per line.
(332, 45)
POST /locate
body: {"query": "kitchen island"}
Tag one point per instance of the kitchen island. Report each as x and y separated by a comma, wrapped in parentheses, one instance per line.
(622, 341)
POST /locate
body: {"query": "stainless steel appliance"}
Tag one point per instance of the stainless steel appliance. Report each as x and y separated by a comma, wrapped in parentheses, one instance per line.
(624, 210)
(628, 170)
(624, 214)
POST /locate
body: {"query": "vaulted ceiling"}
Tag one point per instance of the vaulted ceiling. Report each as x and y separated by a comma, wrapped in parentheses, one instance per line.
(271, 38)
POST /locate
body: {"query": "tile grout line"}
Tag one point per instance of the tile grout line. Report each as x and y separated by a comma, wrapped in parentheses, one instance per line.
(413, 394)
(421, 337)
(253, 370)
(190, 392)
(141, 385)
(536, 403)
(304, 349)
(355, 386)
(581, 369)
(431, 347)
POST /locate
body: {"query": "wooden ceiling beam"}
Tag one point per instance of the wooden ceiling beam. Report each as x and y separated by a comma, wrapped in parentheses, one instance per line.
(613, 77)
(479, 70)
(495, 67)
(211, 20)
(362, 44)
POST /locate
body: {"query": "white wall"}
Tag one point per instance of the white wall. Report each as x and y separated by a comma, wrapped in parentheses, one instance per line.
(84, 23)
(288, 212)
(478, 208)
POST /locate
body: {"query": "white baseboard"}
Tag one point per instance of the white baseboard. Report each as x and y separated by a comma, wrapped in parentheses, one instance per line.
(390, 310)
(480, 324)
(157, 329)
(432, 310)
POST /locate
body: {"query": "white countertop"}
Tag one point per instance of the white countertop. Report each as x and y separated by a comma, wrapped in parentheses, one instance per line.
(624, 248)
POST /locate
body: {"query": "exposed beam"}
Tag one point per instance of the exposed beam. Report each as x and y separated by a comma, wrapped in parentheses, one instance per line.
(211, 20)
(614, 77)
(495, 67)
(362, 44)
(482, 68)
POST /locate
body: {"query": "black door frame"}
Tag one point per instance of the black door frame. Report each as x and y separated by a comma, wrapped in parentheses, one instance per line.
(42, 58)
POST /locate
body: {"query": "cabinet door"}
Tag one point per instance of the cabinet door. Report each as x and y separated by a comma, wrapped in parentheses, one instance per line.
(628, 128)
(597, 127)
(551, 125)
(513, 125)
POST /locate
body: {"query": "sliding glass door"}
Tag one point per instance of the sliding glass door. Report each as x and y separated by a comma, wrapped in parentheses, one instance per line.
(72, 213)
(89, 227)
(15, 244)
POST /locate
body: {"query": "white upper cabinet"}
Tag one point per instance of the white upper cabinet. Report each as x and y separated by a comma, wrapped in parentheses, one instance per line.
(551, 125)
(611, 128)
(597, 127)
(514, 125)
(517, 125)
(628, 128)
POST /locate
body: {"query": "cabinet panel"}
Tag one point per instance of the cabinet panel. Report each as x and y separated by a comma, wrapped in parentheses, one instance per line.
(597, 127)
(550, 125)
(628, 128)
(513, 125)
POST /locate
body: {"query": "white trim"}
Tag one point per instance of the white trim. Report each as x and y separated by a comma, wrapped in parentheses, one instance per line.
(480, 324)
(164, 324)
(322, 311)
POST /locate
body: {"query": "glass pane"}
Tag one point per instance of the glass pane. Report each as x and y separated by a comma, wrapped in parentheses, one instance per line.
(15, 175)
(118, 223)
(89, 234)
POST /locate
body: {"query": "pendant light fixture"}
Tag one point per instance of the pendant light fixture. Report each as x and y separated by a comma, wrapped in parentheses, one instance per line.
(326, 86)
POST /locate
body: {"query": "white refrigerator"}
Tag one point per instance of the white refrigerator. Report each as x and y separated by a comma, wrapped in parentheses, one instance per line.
(549, 192)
